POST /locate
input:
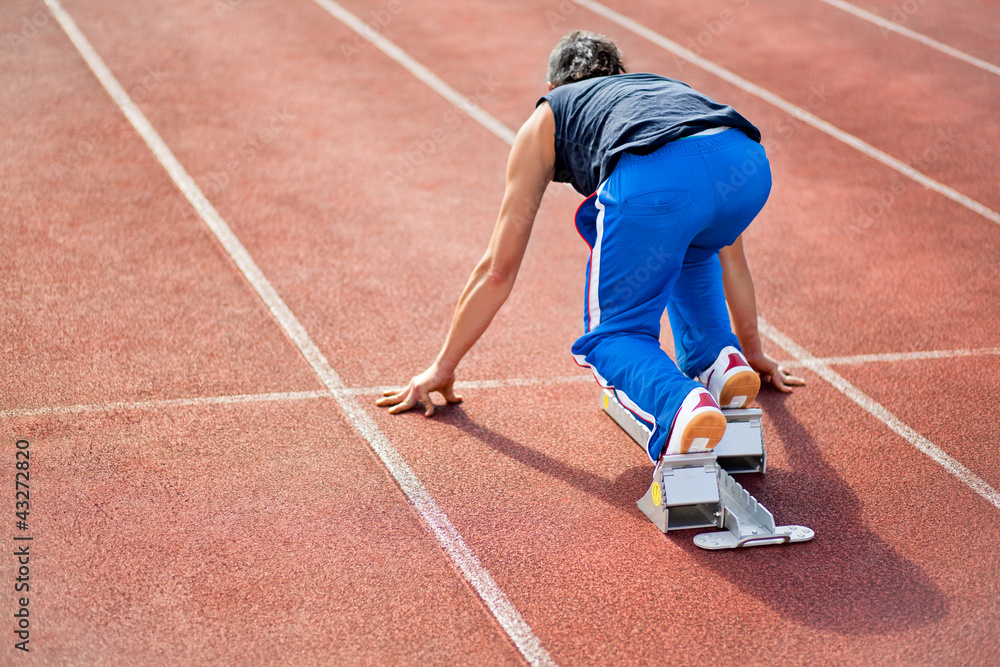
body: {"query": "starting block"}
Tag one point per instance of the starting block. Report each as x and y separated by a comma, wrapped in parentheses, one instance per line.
(696, 490)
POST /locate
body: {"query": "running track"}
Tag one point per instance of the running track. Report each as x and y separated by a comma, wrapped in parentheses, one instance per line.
(230, 223)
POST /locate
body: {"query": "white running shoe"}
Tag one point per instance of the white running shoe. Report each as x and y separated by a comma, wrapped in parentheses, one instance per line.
(698, 426)
(731, 380)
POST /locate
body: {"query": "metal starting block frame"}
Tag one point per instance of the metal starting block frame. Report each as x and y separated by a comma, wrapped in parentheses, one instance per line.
(696, 490)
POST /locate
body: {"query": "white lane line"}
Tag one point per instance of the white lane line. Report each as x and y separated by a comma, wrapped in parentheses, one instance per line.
(445, 533)
(889, 357)
(875, 409)
(461, 385)
(165, 403)
(423, 74)
(791, 109)
(524, 382)
(917, 440)
(895, 27)
(287, 396)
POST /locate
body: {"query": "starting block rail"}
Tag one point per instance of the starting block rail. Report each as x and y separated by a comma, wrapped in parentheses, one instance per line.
(697, 491)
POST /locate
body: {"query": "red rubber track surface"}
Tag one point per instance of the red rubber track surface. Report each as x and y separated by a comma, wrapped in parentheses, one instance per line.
(197, 496)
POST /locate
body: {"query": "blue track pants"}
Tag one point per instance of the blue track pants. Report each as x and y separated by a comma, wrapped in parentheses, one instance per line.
(655, 228)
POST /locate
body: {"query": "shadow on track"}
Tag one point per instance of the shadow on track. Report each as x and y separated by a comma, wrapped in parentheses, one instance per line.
(620, 493)
(847, 580)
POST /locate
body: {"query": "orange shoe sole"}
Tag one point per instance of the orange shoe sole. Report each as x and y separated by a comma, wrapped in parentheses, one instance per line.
(705, 430)
(740, 390)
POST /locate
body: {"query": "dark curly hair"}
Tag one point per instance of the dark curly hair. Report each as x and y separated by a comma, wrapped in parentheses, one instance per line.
(583, 55)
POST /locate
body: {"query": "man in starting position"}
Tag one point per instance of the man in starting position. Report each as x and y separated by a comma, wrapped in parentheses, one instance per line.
(671, 180)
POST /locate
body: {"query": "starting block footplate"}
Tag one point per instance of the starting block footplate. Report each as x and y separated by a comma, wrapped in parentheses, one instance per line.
(741, 450)
(697, 491)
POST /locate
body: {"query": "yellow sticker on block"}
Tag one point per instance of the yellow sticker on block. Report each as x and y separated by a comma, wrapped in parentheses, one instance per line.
(656, 494)
(606, 401)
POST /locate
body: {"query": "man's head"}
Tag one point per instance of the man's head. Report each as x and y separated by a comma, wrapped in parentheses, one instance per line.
(583, 55)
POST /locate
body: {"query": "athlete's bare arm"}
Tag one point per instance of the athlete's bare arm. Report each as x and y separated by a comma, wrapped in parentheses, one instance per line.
(742, 301)
(529, 170)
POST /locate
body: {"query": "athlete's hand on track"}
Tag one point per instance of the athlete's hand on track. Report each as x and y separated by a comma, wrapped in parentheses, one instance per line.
(419, 391)
(771, 372)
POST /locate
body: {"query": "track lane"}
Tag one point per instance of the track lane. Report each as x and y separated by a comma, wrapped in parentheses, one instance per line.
(182, 536)
(98, 308)
(967, 25)
(435, 520)
(912, 578)
(923, 597)
(955, 420)
(853, 286)
(550, 508)
(895, 25)
(319, 159)
(857, 227)
(396, 589)
(849, 74)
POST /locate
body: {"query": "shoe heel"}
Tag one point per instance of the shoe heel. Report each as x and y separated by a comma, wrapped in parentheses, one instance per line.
(740, 390)
(703, 432)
